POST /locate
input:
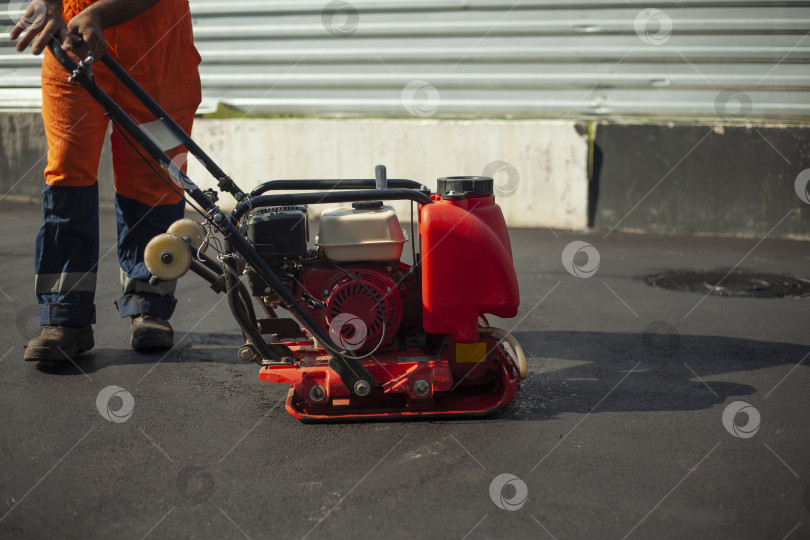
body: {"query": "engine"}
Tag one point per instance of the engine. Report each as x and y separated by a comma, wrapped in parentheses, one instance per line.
(353, 283)
(360, 305)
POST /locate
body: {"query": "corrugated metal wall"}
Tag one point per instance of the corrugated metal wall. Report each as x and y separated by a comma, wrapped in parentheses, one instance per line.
(690, 59)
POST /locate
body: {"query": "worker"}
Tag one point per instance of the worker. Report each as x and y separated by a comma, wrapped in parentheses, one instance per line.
(153, 41)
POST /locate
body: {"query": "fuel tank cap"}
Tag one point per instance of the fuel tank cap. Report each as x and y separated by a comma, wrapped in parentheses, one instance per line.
(458, 187)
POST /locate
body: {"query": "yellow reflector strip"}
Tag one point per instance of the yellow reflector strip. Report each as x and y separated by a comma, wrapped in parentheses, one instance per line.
(471, 352)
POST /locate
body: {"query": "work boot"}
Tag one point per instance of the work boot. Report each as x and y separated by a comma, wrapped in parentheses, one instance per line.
(59, 343)
(151, 333)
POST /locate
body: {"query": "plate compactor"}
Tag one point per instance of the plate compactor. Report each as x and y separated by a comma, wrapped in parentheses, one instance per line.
(370, 337)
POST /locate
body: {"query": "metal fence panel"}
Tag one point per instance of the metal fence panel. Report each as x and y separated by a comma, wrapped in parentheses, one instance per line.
(730, 60)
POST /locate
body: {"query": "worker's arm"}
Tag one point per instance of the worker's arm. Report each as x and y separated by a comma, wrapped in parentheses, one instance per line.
(84, 32)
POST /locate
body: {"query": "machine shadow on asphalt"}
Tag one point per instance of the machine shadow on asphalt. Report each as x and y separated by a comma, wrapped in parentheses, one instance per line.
(661, 381)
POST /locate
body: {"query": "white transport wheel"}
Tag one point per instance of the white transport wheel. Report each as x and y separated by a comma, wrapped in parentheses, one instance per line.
(167, 257)
(189, 230)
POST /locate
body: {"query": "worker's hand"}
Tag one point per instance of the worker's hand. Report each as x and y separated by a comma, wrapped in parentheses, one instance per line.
(42, 20)
(86, 34)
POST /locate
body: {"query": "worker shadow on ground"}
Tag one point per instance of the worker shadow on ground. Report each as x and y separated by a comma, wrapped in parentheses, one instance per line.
(576, 371)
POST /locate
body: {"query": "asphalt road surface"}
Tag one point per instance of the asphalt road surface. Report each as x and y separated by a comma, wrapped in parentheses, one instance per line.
(617, 432)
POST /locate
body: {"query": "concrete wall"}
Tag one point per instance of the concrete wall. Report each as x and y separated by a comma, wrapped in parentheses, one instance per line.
(540, 167)
(702, 179)
(652, 178)
(23, 153)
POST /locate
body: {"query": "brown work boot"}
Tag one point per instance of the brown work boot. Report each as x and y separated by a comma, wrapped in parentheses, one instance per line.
(150, 333)
(59, 343)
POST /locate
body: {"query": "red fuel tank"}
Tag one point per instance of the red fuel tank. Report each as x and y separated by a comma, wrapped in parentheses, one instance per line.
(467, 266)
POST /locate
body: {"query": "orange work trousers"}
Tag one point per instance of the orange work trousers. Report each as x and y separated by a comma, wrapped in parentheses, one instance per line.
(157, 49)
